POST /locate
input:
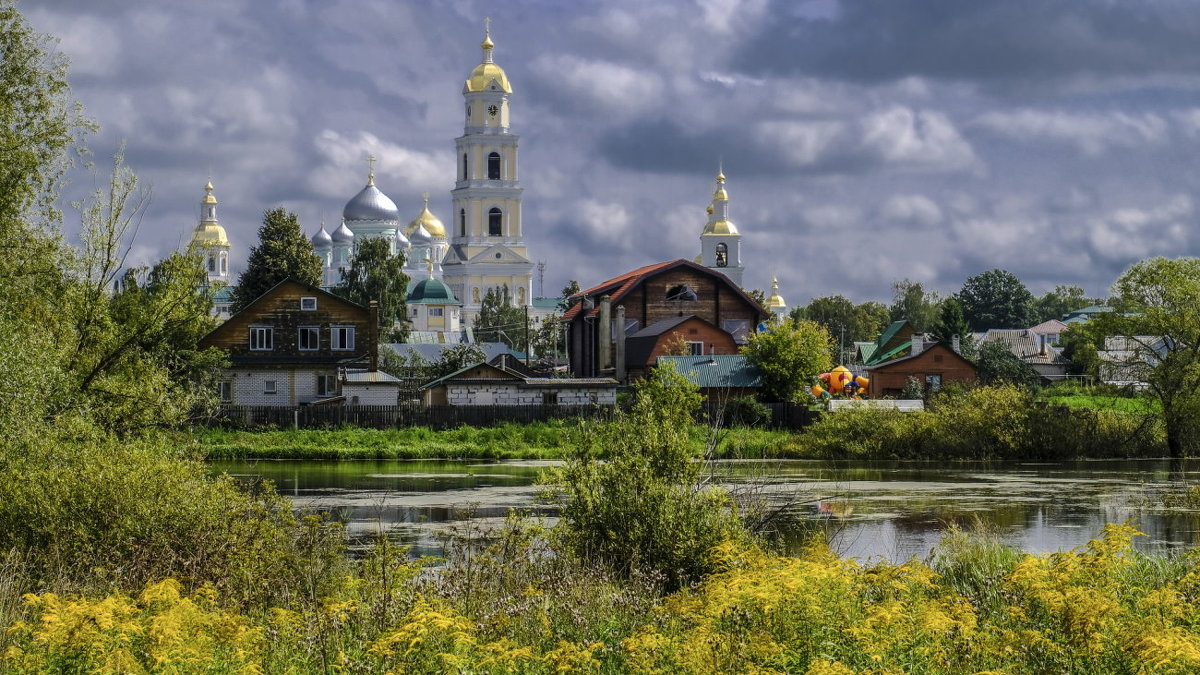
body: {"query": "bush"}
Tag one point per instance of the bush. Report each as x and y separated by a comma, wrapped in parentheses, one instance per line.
(746, 411)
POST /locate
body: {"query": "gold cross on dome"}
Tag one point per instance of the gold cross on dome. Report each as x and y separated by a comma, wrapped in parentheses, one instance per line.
(371, 170)
(429, 263)
(487, 26)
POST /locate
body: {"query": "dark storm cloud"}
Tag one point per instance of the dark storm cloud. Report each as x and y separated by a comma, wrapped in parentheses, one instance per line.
(981, 41)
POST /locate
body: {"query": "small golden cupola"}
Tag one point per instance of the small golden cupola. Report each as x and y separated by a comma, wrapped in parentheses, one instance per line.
(720, 241)
(208, 231)
(432, 224)
(487, 71)
(775, 303)
(718, 212)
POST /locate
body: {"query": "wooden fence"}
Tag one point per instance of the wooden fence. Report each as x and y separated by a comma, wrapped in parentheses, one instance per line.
(392, 416)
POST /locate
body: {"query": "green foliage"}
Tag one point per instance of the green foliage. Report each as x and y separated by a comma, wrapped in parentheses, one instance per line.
(951, 323)
(789, 354)
(568, 292)
(499, 320)
(846, 322)
(376, 274)
(914, 389)
(996, 365)
(1063, 300)
(999, 422)
(282, 252)
(746, 411)
(996, 299)
(548, 340)
(1081, 343)
(911, 301)
(1162, 300)
(631, 491)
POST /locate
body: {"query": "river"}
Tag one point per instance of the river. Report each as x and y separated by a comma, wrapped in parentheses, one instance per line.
(895, 509)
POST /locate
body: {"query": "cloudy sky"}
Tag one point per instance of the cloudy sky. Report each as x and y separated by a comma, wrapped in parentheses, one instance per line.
(864, 141)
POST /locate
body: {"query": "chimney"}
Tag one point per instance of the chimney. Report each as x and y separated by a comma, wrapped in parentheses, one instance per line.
(604, 328)
(956, 344)
(918, 344)
(1042, 344)
(619, 324)
(373, 338)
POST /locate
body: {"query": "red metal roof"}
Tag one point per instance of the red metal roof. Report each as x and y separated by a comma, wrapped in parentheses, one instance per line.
(616, 287)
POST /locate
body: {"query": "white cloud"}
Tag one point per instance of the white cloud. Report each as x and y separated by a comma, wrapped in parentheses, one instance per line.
(914, 208)
(802, 144)
(923, 139)
(1090, 133)
(346, 165)
(93, 45)
(1128, 234)
(617, 89)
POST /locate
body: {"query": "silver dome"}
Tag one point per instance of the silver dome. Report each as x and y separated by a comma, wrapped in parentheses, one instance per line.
(342, 235)
(370, 204)
(421, 236)
(322, 239)
(401, 240)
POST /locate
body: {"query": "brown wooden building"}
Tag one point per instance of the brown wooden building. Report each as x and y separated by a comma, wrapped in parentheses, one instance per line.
(292, 344)
(934, 366)
(618, 328)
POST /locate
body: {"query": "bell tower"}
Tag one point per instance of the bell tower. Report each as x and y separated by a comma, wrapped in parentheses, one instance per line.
(486, 241)
(720, 241)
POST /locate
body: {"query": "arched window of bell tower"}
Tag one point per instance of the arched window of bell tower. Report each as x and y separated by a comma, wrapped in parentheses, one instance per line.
(465, 174)
(494, 166)
(495, 219)
(722, 255)
(462, 222)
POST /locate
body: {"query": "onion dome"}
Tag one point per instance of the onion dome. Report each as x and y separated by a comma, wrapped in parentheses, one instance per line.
(342, 235)
(209, 232)
(426, 220)
(370, 204)
(321, 239)
(718, 212)
(431, 292)
(401, 240)
(487, 71)
(776, 300)
(420, 236)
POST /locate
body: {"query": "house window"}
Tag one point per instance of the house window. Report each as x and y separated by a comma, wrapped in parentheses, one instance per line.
(224, 264)
(682, 293)
(309, 338)
(225, 391)
(262, 338)
(436, 311)
(722, 255)
(933, 383)
(341, 338)
(268, 386)
(695, 348)
(308, 304)
(212, 263)
(327, 385)
(550, 398)
(494, 166)
(495, 217)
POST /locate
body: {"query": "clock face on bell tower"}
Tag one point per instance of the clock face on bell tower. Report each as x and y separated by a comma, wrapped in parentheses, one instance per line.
(492, 110)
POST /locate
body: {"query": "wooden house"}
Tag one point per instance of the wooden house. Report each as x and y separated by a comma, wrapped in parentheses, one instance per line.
(293, 345)
(618, 328)
(933, 364)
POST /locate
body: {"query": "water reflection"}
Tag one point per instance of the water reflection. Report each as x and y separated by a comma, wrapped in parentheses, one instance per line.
(891, 509)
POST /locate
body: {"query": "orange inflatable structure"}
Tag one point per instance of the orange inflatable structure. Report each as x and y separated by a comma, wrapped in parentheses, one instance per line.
(841, 383)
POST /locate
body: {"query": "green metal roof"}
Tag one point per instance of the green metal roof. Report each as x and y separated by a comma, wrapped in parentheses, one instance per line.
(865, 350)
(877, 359)
(431, 292)
(890, 332)
(717, 370)
(546, 303)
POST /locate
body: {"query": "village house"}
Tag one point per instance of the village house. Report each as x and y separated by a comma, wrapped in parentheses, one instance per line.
(484, 384)
(620, 327)
(297, 344)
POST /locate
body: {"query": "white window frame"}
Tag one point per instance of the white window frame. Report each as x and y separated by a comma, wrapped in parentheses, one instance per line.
(695, 348)
(266, 338)
(327, 385)
(316, 333)
(437, 311)
(225, 391)
(270, 386)
(336, 333)
(308, 303)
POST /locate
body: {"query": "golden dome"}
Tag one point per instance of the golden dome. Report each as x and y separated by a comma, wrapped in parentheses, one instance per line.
(209, 234)
(776, 300)
(720, 195)
(431, 222)
(722, 227)
(483, 75)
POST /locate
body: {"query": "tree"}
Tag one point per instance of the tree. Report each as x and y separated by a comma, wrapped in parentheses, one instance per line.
(283, 251)
(1163, 331)
(789, 354)
(547, 340)
(910, 301)
(758, 296)
(846, 322)
(1062, 300)
(951, 323)
(499, 320)
(376, 274)
(1081, 344)
(997, 365)
(569, 291)
(996, 299)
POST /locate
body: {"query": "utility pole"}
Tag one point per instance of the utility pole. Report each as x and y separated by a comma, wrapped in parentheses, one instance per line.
(526, 335)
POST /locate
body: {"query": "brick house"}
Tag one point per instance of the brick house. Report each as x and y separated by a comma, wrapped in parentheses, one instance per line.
(619, 328)
(487, 384)
(294, 344)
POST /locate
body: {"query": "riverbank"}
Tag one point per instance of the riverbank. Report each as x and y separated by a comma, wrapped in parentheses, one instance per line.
(541, 440)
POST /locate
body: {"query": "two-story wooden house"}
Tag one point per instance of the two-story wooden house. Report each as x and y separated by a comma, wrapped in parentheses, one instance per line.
(294, 345)
(620, 327)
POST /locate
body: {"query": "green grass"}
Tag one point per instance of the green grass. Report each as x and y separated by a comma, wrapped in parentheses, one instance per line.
(540, 440)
